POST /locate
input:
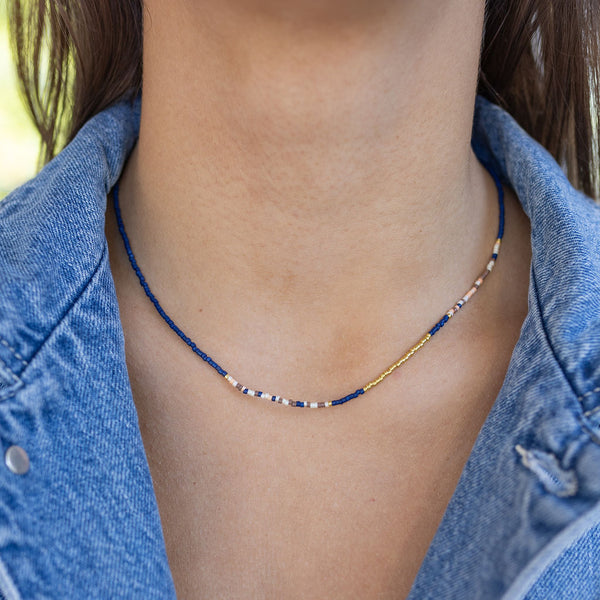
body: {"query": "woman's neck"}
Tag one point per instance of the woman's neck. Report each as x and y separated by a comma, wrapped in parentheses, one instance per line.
(310, 158)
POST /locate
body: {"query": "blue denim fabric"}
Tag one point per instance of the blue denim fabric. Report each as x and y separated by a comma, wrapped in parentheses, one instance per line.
(524, 521)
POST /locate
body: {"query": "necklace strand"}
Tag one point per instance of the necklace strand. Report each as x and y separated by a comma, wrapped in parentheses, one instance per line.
(280, 399)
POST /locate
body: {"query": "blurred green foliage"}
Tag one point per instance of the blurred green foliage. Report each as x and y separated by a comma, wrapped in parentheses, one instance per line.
(19, 142)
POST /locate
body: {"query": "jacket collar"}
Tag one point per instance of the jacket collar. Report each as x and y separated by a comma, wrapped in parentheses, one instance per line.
(564, 239)
(59, 217)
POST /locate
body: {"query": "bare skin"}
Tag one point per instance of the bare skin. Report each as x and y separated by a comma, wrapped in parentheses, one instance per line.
(304, 201)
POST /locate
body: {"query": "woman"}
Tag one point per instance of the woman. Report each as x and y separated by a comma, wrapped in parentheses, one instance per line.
(303, 190)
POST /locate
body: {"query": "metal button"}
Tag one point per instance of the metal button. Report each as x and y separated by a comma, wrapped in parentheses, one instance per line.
(17, 460)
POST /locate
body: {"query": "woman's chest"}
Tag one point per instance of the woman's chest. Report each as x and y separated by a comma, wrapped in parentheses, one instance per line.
(264, 501)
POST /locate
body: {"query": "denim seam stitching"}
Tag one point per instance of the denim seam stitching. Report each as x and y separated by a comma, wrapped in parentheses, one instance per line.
(9, 371)
(17, 383)
(597, 389)
(70, 307)
(13, 351)
(591, 413)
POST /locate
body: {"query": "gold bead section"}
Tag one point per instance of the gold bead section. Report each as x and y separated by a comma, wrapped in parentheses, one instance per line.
(402, 360)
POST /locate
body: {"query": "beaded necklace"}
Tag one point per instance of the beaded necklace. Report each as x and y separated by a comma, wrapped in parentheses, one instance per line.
(280, 399)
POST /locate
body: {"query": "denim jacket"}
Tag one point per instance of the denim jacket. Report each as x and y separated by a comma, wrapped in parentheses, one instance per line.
(78, 514)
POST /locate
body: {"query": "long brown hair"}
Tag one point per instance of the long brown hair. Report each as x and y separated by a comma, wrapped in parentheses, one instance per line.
(540, 60)
(73, 59)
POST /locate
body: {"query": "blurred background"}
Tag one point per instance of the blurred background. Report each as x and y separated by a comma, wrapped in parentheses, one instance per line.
(19, 143)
